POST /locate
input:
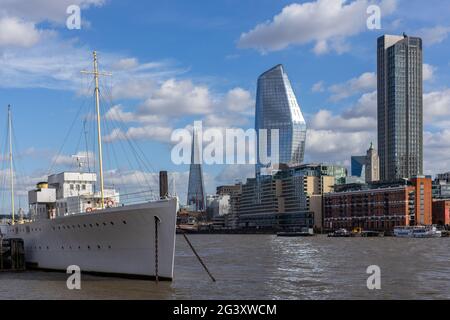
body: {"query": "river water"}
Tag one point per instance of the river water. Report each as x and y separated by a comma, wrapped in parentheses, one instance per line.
(267, 267)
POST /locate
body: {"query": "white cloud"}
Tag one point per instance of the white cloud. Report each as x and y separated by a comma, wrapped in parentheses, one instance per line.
(364, 83)
(239, 100)
(325, 120)
(126, 63)
(366, 106)
(428, 72)
(434, 35)
(318, 87)
(436, 107)
(327, 23)
(334, 146)
(19, 33)
(73, 161)
(149, 132)
(436, 151)
(43, 10)
(232, 174)
(178, 97)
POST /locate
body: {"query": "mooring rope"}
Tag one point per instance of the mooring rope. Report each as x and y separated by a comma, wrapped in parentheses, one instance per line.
(196, 254)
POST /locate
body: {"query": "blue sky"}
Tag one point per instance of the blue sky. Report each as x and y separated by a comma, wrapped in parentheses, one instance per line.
(179, 61)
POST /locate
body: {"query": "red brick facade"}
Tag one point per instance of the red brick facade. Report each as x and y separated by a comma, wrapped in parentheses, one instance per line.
(441, 212)
(379, 209)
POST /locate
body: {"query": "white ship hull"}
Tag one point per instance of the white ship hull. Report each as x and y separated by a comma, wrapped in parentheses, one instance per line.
(117, 241)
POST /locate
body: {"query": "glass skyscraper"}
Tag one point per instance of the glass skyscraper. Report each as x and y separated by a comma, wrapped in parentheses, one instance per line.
(196, 190)
(277, 108)
(400, 107)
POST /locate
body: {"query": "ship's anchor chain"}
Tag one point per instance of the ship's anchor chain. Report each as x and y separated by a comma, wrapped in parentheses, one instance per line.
(157, 222)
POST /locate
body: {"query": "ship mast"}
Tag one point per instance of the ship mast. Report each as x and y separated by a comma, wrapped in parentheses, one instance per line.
(11, 168)
(96, 74)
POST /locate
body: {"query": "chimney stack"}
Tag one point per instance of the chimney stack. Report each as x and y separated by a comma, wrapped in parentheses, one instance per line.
(163, 185)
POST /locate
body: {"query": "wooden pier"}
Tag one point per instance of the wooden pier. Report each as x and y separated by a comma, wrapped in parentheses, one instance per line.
(12, 255)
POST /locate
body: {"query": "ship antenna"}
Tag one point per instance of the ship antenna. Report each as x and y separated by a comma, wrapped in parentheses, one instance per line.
(11, 168)
(96, 74)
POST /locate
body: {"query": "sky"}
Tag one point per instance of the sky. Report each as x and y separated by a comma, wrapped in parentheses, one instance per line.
(175, 62)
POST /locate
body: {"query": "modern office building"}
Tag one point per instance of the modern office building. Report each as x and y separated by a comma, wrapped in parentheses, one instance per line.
(379, 206)
(400, 106)
(367, 167)
(196, 189)
(441, 189)
(444, 177)
(358, 166)
(277, 109)
(289, 198)
(339, 173)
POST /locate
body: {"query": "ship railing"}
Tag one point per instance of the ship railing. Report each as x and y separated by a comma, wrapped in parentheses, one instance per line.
(113, 201)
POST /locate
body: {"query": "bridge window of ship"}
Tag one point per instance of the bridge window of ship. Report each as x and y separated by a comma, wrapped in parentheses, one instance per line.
(48, 248)
(112, 223)
(104, 223)
(89, 247)
(97, 225)
(91, 225)
(124, 222)
(99, 247)
(84, 225)
(109, 247)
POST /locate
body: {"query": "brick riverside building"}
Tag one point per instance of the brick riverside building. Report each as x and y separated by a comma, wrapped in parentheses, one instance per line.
(379, 206)
(441, 212)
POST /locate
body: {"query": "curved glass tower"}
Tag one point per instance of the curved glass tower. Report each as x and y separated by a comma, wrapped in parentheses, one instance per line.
(277, 108)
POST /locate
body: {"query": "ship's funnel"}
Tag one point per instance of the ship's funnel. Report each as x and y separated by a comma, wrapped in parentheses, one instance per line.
(42, 185)
(163, 185)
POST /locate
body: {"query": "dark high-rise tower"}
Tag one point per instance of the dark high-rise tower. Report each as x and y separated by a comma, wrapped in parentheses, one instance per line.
(400, 107)
(196, 191)
(277, 108)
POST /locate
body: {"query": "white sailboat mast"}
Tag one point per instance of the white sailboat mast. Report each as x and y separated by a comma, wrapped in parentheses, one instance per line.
(11, 168)
(96, 74)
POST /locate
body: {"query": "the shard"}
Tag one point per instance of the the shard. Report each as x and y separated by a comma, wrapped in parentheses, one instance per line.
(196, 191)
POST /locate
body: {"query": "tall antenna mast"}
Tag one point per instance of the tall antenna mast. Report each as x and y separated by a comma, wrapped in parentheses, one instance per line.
(11, 168)
(96, 74)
